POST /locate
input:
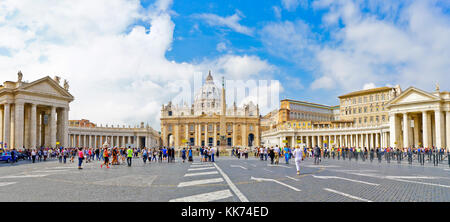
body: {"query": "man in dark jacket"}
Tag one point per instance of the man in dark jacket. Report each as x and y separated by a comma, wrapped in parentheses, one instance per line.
(316, 155)
(13, 155)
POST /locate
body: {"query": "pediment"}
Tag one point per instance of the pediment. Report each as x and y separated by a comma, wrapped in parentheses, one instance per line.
(413, 95)
(46, 86)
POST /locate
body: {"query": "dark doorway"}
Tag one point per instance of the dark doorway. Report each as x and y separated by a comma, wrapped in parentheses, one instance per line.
(251, 138)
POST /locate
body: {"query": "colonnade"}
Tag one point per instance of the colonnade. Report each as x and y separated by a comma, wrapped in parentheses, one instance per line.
(98, 140)
(363, 140)
(427, 128)
(26, 124)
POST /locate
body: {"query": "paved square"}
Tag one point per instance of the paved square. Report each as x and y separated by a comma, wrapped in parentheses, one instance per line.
(228, 179)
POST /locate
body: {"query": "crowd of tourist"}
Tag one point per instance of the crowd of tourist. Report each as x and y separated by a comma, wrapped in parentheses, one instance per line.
(274, 153)
(119, 156)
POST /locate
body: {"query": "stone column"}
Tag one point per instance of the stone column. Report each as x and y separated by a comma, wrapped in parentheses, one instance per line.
(439, 123)
(351, 140)
(33, 127)
(199, 134)
(1, 127)
(416, 131)
(176, 135)
(377, 138)
(215, 135)
(293, 141)
(426, 127)
(206, 134)
(234, 134)
(6, 125)
(244, 135)
(138, 142)
(393, 122)
(406, 128)
(186, 135)
(65, 127)
(447, 125)
(257, 136)
(18, 125)
(53, 127)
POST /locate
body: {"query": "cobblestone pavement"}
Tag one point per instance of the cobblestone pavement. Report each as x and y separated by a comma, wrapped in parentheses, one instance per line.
(228, 179)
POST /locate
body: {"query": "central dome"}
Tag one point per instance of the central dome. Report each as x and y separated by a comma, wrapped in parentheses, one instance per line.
(209, 96)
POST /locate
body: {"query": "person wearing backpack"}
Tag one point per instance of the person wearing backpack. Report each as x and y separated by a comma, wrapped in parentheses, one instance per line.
(316, 155)
(144, 155)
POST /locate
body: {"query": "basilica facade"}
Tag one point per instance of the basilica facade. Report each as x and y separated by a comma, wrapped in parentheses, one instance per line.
(209, 122)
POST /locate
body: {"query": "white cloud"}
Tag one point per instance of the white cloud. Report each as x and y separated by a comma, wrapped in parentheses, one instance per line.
(292, 41)
(291, 5)
(117, 70)
(277, 11)
(241, 67)
(222, 46)
(381, 42)
(369, 86)
(412, 51)
(231, 22)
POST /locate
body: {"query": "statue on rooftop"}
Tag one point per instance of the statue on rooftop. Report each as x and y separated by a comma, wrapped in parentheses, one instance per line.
(66, 85)
(19, 76)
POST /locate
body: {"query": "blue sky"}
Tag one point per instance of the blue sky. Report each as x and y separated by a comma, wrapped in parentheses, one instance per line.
(131, 56)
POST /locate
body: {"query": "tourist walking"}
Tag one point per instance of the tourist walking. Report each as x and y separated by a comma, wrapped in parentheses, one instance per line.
(106, 158)
(271, 155)
(298, 155)
(130, 156)
(183, 154)
(80, 158)
(33, 155)
(144, 155)
(316, 155)
(190, 155)
(286, 154)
